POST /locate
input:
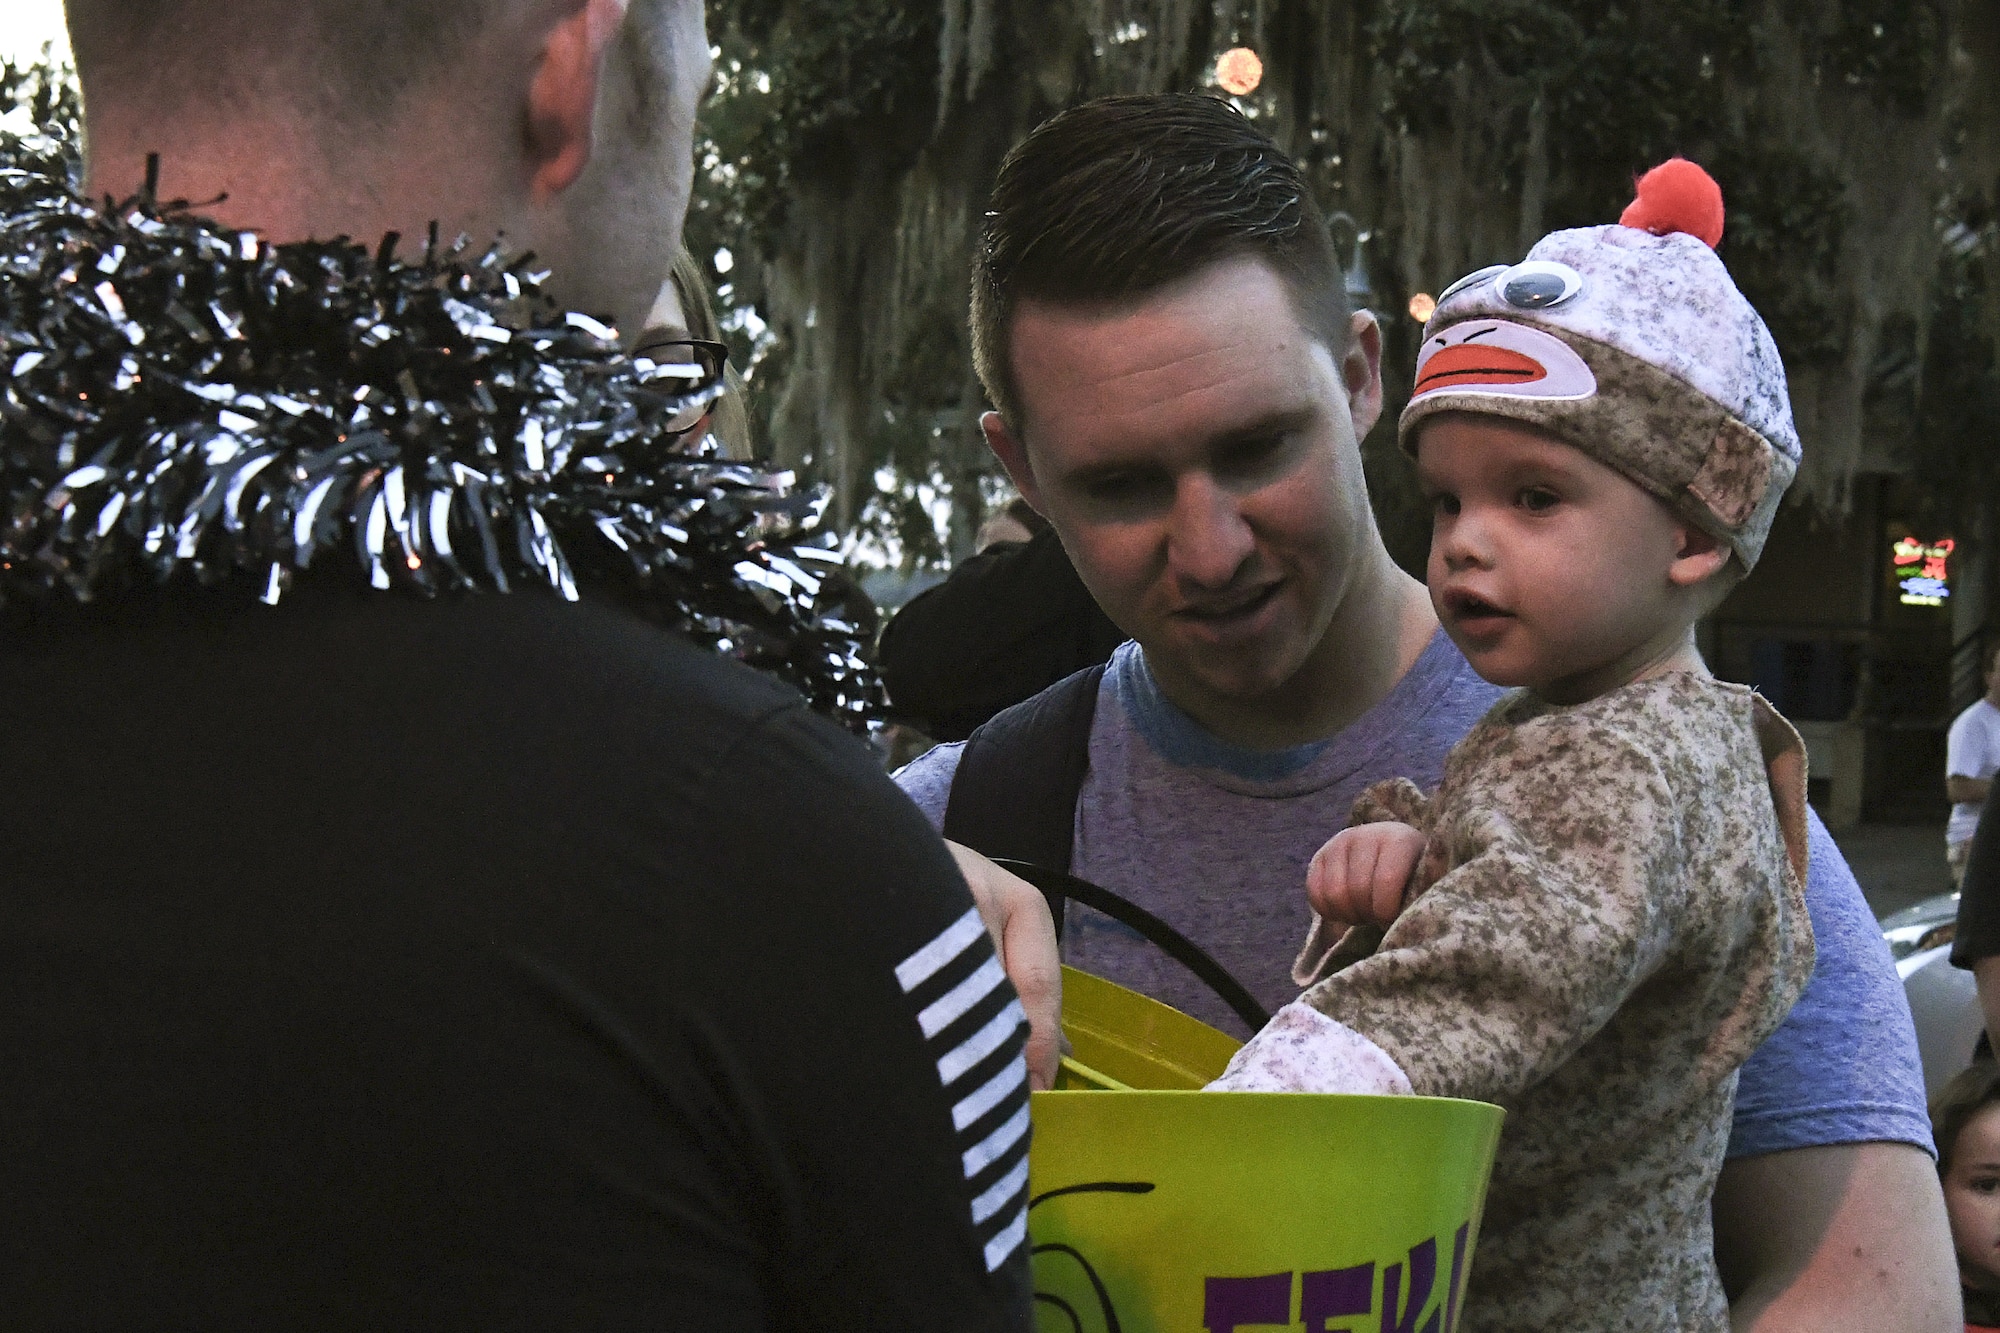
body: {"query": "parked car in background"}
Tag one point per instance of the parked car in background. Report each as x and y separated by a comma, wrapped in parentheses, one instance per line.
(1943, 1000)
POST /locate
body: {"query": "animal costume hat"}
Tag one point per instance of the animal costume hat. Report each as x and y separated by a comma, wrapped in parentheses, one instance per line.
(1631, 343)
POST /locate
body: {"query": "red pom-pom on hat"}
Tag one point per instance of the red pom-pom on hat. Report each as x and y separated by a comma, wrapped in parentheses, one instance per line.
(1675, 196)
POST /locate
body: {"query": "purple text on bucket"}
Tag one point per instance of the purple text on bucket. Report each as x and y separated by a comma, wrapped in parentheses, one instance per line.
(1331, 1299)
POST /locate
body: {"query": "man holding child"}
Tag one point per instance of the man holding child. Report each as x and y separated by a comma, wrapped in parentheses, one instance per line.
(1182, 391)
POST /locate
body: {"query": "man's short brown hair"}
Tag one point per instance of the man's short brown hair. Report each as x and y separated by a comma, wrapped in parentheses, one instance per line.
(1118, 198)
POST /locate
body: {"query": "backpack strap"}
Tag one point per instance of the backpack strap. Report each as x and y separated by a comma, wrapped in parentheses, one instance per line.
(1013, 796)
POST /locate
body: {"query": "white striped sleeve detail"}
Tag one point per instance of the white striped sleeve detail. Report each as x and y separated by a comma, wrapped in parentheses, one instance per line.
(1007, 1241)
(1005, 1188)
(995, 1145)
(982, 1043)
(958, 1001)
(925, 963)
(996, 1090)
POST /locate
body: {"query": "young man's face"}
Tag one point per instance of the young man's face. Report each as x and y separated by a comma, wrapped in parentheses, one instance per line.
(1198, 454)
(1547, 568)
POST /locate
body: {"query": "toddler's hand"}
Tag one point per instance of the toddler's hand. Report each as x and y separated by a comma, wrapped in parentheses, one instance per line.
(1359, 877)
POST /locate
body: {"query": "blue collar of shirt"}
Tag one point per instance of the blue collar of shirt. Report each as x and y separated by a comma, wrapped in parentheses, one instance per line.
(1184, 742)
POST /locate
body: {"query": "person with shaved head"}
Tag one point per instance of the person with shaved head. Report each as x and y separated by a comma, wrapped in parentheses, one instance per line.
(564, 125)
(415, 917)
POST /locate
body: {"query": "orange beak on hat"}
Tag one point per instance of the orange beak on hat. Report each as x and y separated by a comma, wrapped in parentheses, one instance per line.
(1470, 364)
(1500, 358)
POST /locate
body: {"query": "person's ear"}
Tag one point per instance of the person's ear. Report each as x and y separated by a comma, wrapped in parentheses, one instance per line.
(1013, 456)
(562, 98)
(1361, 372)
(1699, 555)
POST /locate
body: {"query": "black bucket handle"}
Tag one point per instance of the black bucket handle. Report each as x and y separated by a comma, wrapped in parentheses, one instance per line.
(1056, 886)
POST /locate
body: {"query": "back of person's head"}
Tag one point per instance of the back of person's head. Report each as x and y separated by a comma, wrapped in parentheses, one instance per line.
(350, 58)
(1016, 521)
(1116, 199)
(563, 125)
(1969, 1092)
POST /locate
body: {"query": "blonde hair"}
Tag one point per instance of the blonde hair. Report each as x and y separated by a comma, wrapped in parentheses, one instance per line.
(731, 422)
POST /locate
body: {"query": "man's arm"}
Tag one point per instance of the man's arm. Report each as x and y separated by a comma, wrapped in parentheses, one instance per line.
(1964, 755)
(1017, 917)
(1828, 1214)
(874, 1048)
(1986, 975)
(1846, 1237)
(1966, 791)
(1016, 913)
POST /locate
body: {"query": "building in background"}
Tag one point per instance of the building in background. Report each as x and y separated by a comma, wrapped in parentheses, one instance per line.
(1866, 631)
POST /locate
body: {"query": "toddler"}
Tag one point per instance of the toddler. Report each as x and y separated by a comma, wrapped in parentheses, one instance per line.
(1965, 1120)
(1600, 913)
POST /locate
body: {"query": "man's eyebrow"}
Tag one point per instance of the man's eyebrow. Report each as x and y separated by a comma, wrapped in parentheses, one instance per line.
(1277, 423)
(1086, 474)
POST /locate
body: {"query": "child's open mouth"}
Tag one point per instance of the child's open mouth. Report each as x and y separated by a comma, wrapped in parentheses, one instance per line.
(1473, 613)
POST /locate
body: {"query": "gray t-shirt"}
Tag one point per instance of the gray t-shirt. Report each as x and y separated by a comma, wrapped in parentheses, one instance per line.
(1215, 839)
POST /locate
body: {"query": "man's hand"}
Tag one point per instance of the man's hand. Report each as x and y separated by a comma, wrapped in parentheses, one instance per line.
(1359, 877)
(1017, 916)
(1849, 1238)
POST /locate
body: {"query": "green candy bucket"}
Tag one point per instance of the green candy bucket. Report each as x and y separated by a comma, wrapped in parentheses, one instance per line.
(1157, 1208)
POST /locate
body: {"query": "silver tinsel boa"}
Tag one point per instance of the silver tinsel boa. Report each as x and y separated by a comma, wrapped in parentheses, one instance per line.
(185, 403)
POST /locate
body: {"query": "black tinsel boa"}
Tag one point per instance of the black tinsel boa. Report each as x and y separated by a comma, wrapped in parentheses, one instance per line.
(185, 403)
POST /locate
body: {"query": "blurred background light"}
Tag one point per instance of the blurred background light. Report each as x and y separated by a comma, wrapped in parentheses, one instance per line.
(1239, 71)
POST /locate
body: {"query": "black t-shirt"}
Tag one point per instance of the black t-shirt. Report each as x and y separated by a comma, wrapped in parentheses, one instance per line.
(1008, 623)
(1978, 932)
(489, 963)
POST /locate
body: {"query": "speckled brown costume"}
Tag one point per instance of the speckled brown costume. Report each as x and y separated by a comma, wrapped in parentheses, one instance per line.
(1607, 920)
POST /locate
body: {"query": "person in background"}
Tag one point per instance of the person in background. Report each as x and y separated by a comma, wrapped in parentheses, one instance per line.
(1975, 939)
(1966, 1121)
(685, 310)
(1007, 623)
(1971, 757)
(1014, 522)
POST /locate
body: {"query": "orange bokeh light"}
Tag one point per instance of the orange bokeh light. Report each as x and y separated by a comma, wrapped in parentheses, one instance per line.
(1239, 71)
(1422, 307)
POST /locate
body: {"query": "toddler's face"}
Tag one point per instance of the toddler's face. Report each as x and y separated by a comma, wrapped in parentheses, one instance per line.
(1547, 568)
(1972, 1198)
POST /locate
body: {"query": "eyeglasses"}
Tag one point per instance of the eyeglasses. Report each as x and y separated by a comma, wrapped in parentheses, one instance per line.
(687, 371)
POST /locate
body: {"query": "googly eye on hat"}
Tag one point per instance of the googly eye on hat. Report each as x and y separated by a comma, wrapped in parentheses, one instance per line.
(1471, 280)
(1538, 284)
(1534, 285)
